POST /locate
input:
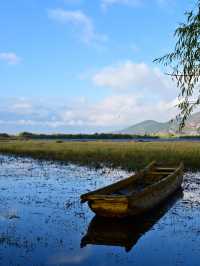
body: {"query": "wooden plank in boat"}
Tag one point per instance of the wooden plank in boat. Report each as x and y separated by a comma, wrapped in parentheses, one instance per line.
(165, 169)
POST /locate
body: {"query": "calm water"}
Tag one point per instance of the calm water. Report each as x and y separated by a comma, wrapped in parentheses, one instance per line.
(130, 140)
(43, 223)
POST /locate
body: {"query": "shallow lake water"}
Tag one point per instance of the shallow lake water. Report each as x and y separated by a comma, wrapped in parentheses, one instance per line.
(42, 221)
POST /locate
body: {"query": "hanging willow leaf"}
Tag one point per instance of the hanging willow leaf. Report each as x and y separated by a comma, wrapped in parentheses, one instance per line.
(184, 63)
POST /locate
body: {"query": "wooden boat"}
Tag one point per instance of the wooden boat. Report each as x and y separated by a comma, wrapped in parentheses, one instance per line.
(125, 232)
(136, 194)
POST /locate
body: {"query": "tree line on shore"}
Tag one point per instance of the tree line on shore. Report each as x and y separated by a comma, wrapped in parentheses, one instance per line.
(29, 135)
(95, 136)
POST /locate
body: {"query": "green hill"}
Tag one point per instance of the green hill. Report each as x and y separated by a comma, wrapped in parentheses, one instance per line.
(149, 127)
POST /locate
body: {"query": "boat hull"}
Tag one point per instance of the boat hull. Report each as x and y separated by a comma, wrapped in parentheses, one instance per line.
(140, 203)
(109, 208)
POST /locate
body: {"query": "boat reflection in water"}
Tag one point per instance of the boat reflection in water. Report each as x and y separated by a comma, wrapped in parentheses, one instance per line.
(125, 232)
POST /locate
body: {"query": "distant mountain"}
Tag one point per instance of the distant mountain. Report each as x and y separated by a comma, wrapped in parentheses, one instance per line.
(153, 127)
(147, 127)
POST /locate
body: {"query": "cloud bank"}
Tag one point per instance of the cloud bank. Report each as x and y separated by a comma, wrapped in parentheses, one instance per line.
(111, 113)
(10, 58)
(133, 92)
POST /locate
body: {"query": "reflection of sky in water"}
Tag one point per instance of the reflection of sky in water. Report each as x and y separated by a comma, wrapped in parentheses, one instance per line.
(42, 221)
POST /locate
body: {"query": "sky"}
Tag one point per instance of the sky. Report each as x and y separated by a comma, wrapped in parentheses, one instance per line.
(84, 66)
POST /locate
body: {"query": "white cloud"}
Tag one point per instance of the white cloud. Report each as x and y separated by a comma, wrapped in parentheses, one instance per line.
(81, 21)
(105, 4)
(135, 77)
(126, 109)
(10, 58)
(82, 115)
(22, 106)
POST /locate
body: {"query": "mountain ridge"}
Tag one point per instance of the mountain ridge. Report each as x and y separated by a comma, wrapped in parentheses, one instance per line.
(153, 127)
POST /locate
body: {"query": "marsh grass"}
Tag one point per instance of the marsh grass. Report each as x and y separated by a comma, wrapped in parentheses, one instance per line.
(127, 155)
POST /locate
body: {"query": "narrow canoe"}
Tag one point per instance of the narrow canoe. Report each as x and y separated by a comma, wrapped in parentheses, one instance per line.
(136, 194)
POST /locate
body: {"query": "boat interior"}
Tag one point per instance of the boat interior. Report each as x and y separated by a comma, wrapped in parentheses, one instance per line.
(144, 180)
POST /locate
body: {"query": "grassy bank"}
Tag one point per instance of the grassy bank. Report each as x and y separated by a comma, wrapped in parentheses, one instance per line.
(127, 155)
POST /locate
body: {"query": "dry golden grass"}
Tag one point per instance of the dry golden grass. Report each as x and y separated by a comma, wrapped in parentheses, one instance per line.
(128, 155)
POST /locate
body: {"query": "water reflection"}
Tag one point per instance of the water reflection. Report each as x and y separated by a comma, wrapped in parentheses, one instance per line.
(125, 232)
(42, 221)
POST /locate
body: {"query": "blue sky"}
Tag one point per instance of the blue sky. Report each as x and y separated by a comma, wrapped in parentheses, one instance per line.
(85, 65)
